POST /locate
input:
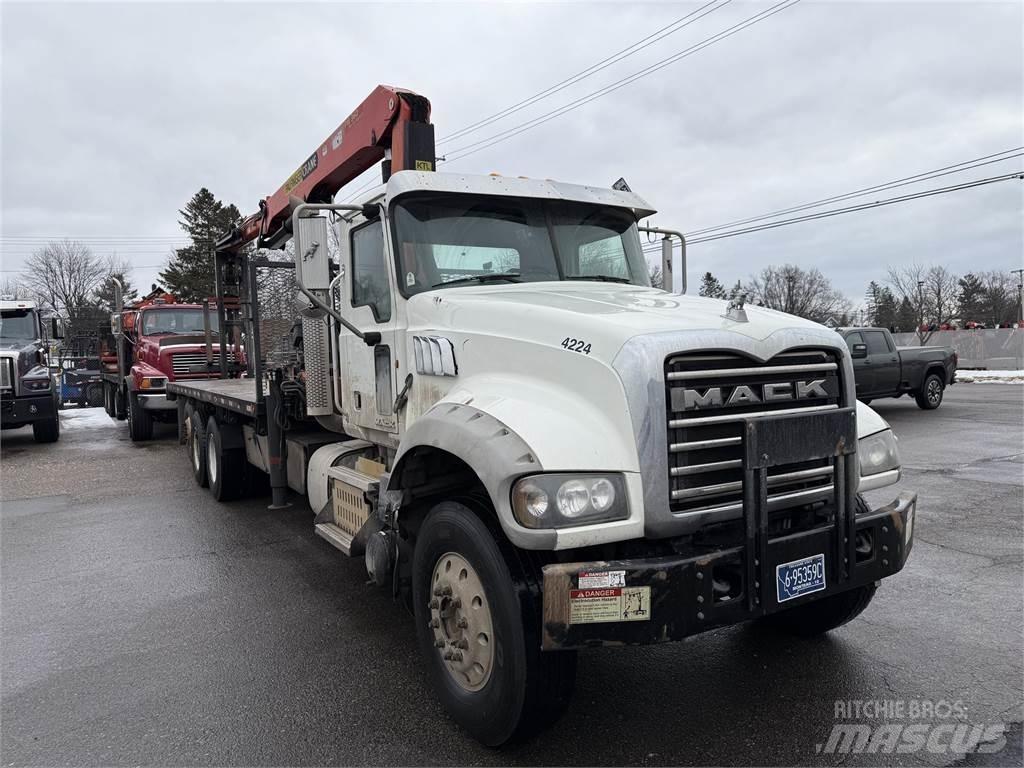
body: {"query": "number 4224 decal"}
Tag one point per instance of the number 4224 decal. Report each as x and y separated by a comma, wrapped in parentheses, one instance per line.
(576, 345)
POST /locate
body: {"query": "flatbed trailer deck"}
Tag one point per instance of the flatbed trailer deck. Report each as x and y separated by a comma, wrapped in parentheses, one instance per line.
(237, 395)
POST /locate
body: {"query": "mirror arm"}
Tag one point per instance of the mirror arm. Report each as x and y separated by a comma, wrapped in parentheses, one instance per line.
(666, 255)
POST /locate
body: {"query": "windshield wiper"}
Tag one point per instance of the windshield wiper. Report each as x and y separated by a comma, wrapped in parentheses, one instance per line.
(480, 279)
(601, 278)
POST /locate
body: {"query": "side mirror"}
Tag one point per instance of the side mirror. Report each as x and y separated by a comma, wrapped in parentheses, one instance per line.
(56, 328)
(858, 351)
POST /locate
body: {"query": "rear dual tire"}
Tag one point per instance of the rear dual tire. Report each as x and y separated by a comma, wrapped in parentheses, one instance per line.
(225, 467)
(195, 443)
(502, 687)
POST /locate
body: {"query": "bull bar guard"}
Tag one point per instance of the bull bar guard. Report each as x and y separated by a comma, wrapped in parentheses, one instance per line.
(679, 598)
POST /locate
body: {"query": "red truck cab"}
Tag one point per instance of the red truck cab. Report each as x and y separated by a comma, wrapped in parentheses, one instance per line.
(157, 340)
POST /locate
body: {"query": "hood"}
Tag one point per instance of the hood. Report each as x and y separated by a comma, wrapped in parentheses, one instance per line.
(15, 345)
(603, 315)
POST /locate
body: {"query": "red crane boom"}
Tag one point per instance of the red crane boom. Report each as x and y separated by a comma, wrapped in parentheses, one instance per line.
(389, 119)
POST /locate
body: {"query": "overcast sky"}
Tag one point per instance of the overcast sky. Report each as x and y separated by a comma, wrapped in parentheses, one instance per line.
(113, 115)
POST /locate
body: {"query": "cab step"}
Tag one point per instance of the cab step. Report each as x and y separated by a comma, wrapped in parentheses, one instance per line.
(335, 536)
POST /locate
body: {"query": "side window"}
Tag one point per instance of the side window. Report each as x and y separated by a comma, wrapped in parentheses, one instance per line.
(854, 338)
(369, 272)
(876, 343)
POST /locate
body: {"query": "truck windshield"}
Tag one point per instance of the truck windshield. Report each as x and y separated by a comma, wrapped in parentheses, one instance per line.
(460, 239)
(18, 324)
(155, 321)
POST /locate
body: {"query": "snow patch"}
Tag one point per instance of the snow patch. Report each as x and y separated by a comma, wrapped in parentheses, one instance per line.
(85, 418)
(989, 377)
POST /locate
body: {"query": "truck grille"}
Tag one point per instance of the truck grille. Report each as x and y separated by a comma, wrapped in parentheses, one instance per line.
(182, 362)
(6, 373)
(709, 396)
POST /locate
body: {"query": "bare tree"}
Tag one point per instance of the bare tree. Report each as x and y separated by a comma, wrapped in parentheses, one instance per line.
(806, 293)
(65, 276)
(932, 291)
(10, 286)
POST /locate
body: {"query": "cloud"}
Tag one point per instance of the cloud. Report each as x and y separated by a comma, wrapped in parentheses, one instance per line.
(113, 115)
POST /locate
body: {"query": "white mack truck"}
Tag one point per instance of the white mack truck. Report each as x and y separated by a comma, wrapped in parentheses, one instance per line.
(531, 446)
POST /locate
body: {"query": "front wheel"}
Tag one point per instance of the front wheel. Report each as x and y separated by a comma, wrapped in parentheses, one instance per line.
(478, 622)
(47, 431)
(140, 423)
(930, 396)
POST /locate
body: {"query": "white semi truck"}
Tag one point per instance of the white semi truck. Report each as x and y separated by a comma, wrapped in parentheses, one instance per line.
(531, 446)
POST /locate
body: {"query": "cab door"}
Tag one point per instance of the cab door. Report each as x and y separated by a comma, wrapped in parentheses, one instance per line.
(884, 361)
(368, 376)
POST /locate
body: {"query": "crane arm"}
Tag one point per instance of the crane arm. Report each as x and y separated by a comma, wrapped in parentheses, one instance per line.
(388, 119)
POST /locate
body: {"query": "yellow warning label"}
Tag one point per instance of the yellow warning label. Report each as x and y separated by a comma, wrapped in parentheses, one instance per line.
(424, 165)
(595, 606)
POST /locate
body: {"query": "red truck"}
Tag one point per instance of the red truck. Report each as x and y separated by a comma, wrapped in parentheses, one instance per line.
(153, 341)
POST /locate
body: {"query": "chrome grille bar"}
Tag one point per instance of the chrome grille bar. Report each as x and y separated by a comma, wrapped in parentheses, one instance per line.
(676, 423)
(768, 370)
(700, 445)
(773, 481)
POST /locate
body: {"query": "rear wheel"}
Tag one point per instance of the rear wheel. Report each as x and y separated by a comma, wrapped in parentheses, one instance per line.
(195, 443)
(478, 620)
(225, 467)
(94, 395)
(930, 396)
(108, 400)
(140, 423)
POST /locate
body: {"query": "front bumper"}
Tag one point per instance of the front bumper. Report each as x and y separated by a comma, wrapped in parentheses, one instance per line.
(156, 401)
(670, 598)
(18, 411)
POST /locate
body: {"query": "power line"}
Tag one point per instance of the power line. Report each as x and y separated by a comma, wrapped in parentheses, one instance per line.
(861, 207)
(906, 180)
(583, 74)
(477, 146)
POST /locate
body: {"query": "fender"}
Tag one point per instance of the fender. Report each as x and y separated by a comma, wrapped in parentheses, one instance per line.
(495, 453)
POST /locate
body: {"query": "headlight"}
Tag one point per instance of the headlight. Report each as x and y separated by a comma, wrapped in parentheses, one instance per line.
(153, 382)
(557, 501)
(878, 453)
(37, 385)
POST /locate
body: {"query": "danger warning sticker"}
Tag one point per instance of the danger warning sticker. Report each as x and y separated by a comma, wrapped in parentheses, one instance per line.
(594, 606)
(598, 579)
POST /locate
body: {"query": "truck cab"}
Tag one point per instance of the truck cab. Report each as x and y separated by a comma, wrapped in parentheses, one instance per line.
(28, 393)
(529, 444)
(152, 342)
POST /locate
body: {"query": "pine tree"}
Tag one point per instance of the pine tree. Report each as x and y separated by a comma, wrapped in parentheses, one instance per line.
(906, 317)
(105, 293)
(886, 309)
(190, 272)
(711, 288)
(972, 303)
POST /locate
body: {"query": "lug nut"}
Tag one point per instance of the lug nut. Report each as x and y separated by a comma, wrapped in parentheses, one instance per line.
(457, 603)
(439, 643)
(442, 591)
(456, 655)
(463, 644)
(462, 623)
(448, 655)
(435, 623)
(433, 605)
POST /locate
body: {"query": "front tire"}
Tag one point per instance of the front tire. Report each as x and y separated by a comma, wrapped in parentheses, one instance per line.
(140, 423)
(47, 431)
(930, 396)
(478, 621)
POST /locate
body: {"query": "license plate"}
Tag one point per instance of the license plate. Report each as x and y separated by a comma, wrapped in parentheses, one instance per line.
(800, 577)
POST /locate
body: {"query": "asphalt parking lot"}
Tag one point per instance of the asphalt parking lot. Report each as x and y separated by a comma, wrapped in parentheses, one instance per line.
(145, 624)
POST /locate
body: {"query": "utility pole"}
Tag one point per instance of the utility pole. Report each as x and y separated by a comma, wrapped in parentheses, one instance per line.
(920, 312)
(1020, 296)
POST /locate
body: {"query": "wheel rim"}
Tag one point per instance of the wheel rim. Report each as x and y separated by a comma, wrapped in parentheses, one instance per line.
(934, 392)
(211, 464)
(190, 435)
(460, 618)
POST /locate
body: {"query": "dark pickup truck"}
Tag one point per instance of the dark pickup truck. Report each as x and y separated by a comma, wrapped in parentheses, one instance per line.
(881, 369)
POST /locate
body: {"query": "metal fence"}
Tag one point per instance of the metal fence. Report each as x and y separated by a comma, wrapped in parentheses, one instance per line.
(278, 310)
(995, 349)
